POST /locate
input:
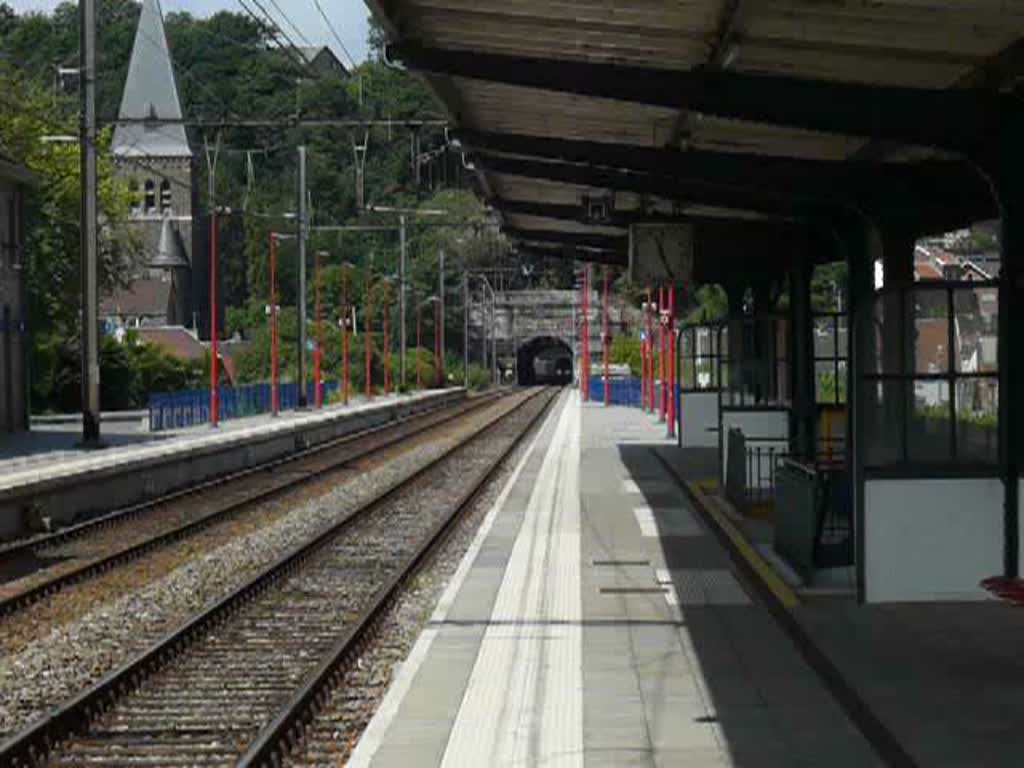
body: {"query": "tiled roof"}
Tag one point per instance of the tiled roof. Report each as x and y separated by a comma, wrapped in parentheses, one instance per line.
(175, 340)
(144, 297)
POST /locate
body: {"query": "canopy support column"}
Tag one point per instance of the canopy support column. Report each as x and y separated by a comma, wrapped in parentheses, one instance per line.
(802, 367)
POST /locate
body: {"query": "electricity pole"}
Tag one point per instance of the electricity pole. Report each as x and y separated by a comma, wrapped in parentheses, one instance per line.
(90, 216)
(302, 233)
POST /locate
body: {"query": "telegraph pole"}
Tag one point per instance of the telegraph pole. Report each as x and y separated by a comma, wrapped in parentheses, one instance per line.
(401, 297)
(90, 216)
(303, 231)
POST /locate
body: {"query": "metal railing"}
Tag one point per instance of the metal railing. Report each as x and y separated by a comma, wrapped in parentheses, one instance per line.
(191, 407)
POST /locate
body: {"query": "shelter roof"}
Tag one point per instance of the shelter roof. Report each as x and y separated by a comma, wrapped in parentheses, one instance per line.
(845, 91)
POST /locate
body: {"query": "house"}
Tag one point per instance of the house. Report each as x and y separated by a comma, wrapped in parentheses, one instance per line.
(14, 344)
(323, 62)
(145, 302)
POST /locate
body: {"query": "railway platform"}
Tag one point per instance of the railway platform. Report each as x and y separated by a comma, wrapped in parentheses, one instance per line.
(597, 621)
(47, 479)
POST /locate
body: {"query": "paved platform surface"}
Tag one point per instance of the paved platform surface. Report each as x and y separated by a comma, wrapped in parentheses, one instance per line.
(53, 448)
(596, 622)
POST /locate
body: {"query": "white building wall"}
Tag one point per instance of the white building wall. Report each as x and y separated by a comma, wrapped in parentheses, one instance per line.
(699, 412)
(931, 539)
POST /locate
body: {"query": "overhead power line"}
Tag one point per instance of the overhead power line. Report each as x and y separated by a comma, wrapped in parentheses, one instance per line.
(334, 32)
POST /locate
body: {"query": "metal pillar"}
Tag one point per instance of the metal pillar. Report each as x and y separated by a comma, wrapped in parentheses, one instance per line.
(386, 341)
(401, 298)
(346, 318)
(802, 360)
(89, 228)
(368, 336)
(214, 352)
(275, 402)
(442, 341)
(303, 231)
(465, 329)
(672, 360)
(662, 357)
(604, 339)
(318, 390)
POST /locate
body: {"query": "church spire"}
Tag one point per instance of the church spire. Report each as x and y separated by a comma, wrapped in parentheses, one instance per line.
(150, 92)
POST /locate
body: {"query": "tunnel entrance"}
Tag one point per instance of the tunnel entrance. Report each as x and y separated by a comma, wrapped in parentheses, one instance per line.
(544, 360)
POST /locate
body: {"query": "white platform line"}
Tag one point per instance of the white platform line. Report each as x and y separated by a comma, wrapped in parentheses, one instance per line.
(645, 519)
(372, 738)
(524, 701)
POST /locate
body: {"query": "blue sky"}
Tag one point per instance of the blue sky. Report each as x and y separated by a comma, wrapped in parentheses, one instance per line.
(347, 16)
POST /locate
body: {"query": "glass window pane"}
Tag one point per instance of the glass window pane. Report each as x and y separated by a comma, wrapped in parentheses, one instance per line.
(930, 330)
(841, 383)
(824, 337)
(826, 387)
(977, 329)
(977, 419)
(844, 347)
(883, 437)
(929, 432)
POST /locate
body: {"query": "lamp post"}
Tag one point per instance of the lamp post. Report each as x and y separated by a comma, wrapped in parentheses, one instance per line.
(672, 360)
(386, 340)
(648, 356)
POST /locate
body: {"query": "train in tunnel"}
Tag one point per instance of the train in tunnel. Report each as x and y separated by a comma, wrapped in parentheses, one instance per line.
(545, 360)
(552, 370)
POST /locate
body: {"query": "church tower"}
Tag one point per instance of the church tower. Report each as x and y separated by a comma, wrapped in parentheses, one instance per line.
(156, 159)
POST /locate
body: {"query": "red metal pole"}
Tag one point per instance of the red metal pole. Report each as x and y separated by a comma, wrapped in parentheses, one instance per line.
(604, 340)
(387, 343)
(649, 403)
(671, 361)
(438, 358)
(214, 373)
(346, 314)
(275, 403)
(318, 386)
(662, 404)
(367, 342)
(585, 378)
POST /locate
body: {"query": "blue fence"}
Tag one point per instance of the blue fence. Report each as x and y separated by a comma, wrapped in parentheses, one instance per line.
(191, 407)
(624, 391)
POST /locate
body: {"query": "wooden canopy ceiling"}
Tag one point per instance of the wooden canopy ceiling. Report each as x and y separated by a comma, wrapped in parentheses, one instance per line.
(785, 110)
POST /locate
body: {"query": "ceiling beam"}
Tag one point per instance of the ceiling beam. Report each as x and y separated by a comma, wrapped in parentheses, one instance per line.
(571, 253)
(612, 243)
(837, 180)
(664, 186)
(962, 119)
(619, 218)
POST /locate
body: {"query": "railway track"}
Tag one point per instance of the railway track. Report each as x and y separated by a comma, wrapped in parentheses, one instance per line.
(237, 679)
(92, 548)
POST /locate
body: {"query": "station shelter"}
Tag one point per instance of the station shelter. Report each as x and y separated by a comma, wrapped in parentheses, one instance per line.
(781, 137)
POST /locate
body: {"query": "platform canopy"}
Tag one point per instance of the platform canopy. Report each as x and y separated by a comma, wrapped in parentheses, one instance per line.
(746, 118)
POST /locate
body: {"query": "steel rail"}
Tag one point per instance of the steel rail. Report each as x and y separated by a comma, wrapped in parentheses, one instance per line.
(97, 567)
(33, 744)
(285, 731)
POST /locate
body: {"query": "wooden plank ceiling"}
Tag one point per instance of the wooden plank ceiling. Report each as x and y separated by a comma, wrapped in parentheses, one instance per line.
(932, 44)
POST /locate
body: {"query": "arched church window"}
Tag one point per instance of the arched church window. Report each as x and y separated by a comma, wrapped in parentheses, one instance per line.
(135, 193)
(150, 195)
(165, 195)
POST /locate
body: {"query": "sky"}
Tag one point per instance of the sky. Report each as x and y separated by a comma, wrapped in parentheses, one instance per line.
(347, 16)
